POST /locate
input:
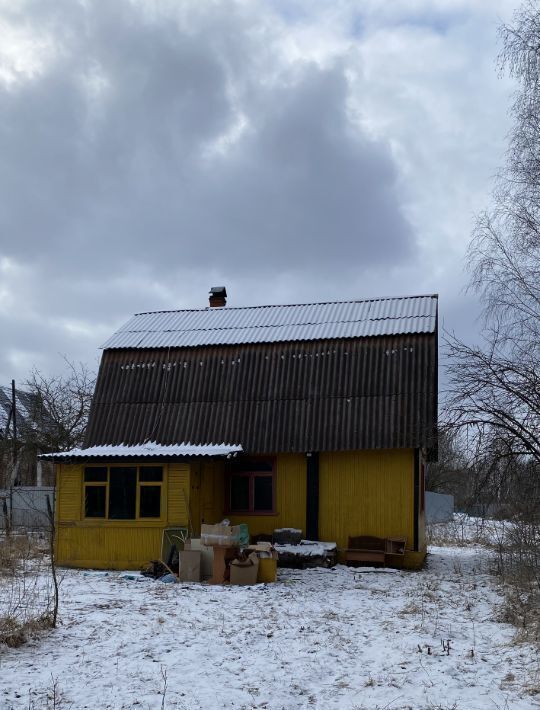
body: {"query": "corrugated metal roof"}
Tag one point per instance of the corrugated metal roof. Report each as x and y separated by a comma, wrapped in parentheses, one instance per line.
(338, 395)
(287, 323)
(149, 450)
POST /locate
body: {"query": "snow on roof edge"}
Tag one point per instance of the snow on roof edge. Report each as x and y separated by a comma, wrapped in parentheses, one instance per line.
(148, 450)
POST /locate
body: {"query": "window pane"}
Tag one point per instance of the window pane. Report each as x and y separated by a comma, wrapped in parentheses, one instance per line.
(94, 501)
(122, 493)
(150, 501)
(151, 473)
(239, 492)
(96, 474)
(262, 494)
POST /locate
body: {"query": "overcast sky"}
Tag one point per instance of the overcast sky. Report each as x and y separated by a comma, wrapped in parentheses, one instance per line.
(292, 150)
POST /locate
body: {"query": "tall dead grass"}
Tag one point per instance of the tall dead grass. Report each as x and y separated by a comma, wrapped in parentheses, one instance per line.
(26, 590)
(465, 530)
(516, 547)
(519, 569)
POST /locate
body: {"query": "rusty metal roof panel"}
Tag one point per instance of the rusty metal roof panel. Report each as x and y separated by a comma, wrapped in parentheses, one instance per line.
(286, 323)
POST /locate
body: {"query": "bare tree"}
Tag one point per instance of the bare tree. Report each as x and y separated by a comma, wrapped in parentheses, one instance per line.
(494, 387)
(62, 406)
(442, 476)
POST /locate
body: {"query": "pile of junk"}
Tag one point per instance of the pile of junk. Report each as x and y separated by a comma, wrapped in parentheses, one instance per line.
(222, 555)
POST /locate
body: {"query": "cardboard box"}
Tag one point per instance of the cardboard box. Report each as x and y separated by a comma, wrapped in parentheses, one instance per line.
(189, 566)
(222, 535)
(222, 560)
(262, 547)
(207, 556)
(244, 572)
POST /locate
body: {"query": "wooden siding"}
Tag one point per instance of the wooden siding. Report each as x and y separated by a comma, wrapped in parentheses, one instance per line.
(211, 491)
(361, 493)
(114, 544)
(178, 493)
(108, 547)
(69, 493)
(422, 509)
(366, 493)
(290, 496)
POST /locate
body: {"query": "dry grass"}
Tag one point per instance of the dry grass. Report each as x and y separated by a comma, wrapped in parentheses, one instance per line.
(13, 633)
(519, 568)
(517, 547)
(463, 530)
(16, 550)
(25, 589)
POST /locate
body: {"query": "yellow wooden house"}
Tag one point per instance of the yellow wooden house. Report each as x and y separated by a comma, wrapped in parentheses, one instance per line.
(314, 416)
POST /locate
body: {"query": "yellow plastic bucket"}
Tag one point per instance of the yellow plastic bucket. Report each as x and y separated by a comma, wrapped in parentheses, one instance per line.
(267, 570)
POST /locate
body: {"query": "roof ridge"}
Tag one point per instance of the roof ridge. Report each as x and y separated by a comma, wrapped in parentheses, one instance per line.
(273, 325)
(287, 305)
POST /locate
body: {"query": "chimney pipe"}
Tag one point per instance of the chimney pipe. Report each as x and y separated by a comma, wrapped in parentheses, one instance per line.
(218, 297)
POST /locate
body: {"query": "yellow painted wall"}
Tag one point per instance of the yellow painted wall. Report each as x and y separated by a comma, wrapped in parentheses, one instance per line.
(211, 491)
(422, 511)
(361, 493)
(290, 496)
(114, 544)
(366, 493)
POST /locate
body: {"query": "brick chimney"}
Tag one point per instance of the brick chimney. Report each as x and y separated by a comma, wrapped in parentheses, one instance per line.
(218, 296)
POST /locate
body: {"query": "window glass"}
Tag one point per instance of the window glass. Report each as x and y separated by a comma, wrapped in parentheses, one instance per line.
(262, 493)
(94, 501)
(122, 493)
(150, 502)
(239, 492)
(151, 473)
(95, 474)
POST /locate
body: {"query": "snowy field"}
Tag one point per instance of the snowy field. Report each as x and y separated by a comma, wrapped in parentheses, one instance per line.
(321, 638)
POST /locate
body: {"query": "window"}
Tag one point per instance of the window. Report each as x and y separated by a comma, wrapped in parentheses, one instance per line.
(251, 487)
(123, 492)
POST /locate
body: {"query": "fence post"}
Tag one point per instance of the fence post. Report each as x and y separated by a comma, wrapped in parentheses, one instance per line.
(50, 514)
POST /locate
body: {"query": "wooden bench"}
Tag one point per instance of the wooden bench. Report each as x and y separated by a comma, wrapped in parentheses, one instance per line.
(379, 550)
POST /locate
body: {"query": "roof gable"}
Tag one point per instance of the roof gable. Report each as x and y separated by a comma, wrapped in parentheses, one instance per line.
(363, 393)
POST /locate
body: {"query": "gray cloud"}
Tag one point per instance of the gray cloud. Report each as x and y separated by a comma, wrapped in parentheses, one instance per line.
(110, 160)
(159, 149)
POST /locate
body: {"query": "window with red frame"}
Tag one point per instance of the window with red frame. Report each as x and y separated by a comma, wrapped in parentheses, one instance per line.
(251, 486)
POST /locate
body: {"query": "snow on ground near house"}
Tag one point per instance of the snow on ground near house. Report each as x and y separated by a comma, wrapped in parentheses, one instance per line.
(464, 529)
(340, 638)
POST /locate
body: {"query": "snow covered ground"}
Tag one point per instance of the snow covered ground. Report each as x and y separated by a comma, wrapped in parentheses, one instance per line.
(340, 638)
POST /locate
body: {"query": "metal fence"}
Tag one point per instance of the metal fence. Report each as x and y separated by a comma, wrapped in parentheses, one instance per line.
(439, 507)
(26, 506)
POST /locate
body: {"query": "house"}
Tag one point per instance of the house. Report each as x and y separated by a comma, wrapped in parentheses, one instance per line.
(315, 416)
(22, 420)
